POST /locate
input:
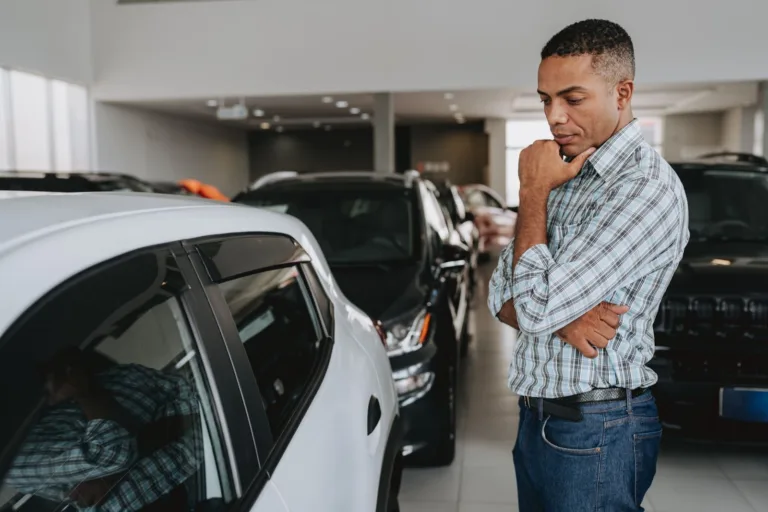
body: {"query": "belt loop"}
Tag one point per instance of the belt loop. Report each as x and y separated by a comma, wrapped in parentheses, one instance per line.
(540, 407)
(629, 401)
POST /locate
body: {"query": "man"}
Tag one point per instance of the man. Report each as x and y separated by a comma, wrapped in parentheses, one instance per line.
(115, 439)
(602, 225)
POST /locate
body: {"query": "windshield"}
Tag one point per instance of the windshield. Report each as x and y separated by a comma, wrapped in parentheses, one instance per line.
(50, 182)
(352, 226)
(728, 205)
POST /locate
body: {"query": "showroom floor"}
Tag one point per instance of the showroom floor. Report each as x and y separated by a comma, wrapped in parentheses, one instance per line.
(481, 479)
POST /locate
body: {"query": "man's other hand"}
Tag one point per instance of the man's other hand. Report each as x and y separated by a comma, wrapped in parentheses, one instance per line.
(508, 315)
(594, 329)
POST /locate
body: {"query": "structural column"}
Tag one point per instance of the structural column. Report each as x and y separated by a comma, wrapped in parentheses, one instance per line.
(384, 132)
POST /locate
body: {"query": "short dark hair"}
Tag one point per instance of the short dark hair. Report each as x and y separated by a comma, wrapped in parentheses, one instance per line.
(610, 46)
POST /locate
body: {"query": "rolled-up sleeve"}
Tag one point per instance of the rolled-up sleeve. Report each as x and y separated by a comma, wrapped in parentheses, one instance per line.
(500, 284)
(630, 235)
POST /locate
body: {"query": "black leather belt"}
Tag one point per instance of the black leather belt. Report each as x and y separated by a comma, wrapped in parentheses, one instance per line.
(566, 407)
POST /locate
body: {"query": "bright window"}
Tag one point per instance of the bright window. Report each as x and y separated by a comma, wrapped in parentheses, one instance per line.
(31, 122)
(44, 124)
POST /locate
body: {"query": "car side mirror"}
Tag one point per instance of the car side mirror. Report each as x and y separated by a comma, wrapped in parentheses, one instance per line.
(455, 256)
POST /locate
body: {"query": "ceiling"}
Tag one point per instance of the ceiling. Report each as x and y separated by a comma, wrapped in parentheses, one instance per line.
(302, 112)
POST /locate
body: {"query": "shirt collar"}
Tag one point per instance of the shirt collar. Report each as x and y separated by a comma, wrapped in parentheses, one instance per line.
(614, 152)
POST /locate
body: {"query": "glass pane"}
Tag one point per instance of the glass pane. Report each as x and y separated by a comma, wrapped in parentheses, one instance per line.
(280, 336)
(80, 132)
(513, 181)
(5, 144)
(62, 142)
(114, 412)
(31, 123)
(758, 148)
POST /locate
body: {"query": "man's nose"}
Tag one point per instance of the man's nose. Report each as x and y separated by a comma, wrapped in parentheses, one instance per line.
(556, 115)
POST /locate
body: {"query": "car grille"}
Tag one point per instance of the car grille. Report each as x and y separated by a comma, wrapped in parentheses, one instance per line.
(713, 316)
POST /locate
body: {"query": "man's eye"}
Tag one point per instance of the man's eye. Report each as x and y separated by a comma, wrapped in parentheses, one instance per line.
(545, 101)
(574, 101)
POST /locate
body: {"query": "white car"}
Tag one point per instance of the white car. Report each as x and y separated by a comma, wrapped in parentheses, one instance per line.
(165, 353)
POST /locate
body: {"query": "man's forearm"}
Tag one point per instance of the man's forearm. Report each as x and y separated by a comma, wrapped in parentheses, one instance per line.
(531, 227)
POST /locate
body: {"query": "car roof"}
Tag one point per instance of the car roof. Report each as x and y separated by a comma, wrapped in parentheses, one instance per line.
(287, 177)
(47, 238)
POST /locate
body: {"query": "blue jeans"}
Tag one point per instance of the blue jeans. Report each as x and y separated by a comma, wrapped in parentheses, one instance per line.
(605, 462)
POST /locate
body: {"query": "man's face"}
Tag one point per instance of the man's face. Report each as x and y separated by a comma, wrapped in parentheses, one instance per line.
(582, 108)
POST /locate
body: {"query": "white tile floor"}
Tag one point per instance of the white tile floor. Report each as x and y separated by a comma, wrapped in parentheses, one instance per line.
(481, 479)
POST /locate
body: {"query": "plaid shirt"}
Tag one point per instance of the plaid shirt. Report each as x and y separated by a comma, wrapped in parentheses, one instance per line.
(64, 449)
(616, 233)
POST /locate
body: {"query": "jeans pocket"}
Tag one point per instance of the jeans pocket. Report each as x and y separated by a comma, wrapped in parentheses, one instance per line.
(573, 438)
(646, 448)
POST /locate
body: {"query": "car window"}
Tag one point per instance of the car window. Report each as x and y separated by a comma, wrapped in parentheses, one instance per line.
(280, 331)
(477, 199)
(352, 224)
(106, 403)
(491, 201)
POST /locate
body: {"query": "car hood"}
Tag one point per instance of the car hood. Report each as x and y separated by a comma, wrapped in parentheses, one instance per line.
(733, 267)
(383, 292)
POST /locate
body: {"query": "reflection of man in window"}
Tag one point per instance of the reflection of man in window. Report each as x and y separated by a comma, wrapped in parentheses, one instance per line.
(120, 439)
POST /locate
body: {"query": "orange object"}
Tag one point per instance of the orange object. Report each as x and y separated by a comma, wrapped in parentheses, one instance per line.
(203, 190)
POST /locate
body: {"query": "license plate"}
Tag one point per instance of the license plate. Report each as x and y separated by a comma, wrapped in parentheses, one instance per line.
(744, 404)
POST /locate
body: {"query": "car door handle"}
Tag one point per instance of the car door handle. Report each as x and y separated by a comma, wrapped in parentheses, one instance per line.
(374, 414)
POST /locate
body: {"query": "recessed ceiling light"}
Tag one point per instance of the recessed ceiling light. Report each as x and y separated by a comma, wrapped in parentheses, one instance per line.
(342, 104)
(327, 99)
(365, 116)
(316, 124)
(280, 129)
(276, 119)
(449, 95)
(265, 126)
(213, 103)
(258, 112)
(454, 107)
(354, 111)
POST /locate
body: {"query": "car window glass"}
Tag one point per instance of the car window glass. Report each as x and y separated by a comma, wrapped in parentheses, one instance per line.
(491, 201)
(476, 199)
(280, 334)
(111, 408)
(351, 224)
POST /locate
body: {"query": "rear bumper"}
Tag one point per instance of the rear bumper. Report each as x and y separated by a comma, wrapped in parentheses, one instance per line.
(688, 396)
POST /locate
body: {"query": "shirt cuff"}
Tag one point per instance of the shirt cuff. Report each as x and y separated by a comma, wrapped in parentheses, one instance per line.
(530, 266)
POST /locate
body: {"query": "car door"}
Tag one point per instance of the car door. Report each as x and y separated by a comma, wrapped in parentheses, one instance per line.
(171, 430)
(316, 386)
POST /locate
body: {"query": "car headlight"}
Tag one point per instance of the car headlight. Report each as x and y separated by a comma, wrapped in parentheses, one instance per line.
(406, 336)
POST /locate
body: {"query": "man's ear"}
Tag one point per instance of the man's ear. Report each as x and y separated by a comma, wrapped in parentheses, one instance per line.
(624, 91)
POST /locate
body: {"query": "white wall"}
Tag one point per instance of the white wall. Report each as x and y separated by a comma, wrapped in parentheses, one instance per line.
(160, 147)
(236, 47)
(497, 156)
(47, 37)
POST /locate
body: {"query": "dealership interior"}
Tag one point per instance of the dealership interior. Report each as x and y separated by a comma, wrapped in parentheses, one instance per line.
(225, 98)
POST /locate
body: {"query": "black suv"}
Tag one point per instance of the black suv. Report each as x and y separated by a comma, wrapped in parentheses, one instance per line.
(388, 246)
(712, 326)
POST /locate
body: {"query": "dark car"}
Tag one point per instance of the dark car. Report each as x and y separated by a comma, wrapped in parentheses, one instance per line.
(65, 182)
(463, 222)
(390, 251)
(712, 326)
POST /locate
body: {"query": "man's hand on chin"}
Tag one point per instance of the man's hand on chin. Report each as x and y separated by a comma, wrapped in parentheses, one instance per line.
(541, 167)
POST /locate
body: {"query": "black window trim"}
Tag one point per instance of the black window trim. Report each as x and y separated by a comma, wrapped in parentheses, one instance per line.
(269, 450)
(207, 340)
